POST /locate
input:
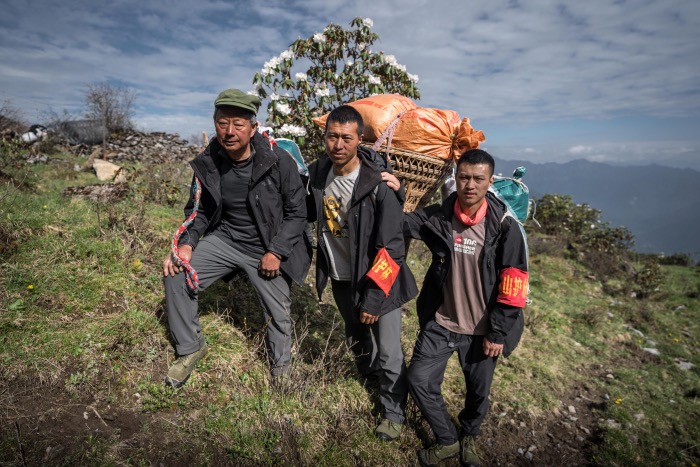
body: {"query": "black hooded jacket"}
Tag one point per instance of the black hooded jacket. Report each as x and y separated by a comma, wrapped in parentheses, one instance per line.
(504, 247)
(373, 224)
(276, 197)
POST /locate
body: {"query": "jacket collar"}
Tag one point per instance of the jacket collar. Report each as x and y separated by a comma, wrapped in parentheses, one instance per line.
(443, 224)
(212, 158)
(369, 177)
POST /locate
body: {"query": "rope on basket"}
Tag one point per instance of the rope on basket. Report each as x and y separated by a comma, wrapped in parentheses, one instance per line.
(388, 133)
(192, 279)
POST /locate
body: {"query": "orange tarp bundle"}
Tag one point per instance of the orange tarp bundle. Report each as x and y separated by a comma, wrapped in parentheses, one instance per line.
(432, 132)
(377, 112)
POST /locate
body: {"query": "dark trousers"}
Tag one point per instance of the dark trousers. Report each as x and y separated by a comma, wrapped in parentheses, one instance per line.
(377, 350)
(433, 349)
(214, 259)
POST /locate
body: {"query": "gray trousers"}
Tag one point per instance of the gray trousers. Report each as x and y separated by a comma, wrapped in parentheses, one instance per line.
(377, 351)
(434, 347)
(214, 259)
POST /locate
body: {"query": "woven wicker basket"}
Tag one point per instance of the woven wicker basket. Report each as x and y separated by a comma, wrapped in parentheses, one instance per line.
(421, 175)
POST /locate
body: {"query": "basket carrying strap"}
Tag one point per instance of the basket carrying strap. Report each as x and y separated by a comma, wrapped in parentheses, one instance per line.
(388, 134)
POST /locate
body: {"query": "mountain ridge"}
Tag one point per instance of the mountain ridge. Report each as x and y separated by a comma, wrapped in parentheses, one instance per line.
(658, 204)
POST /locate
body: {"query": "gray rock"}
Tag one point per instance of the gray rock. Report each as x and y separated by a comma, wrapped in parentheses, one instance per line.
(683, 364)
(613, 424)
(107, 171)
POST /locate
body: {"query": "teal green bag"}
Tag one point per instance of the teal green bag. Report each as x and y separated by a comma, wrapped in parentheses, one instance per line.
(514, 193)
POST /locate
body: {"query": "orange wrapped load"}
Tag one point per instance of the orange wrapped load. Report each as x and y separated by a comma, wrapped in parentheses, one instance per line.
(377, 113)
(435, 132)
(431, 132)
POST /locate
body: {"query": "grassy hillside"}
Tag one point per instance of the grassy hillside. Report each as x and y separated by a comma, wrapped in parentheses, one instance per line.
(598, 379)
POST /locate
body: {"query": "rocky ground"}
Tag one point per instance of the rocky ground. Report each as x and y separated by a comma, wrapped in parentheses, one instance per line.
(48, 426)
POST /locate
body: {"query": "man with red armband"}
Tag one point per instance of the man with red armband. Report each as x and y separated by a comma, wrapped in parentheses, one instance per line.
(471, 302)
(361, 250)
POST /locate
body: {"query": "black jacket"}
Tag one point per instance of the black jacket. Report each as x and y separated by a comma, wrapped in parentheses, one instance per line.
(504, 247)
(373, 224)
(276, 197)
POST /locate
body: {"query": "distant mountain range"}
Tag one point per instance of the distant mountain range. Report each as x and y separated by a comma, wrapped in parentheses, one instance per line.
(659, 205)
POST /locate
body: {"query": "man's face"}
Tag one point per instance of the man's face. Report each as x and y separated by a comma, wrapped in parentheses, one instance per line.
(233, 130)
(473, 180)
(341, 142)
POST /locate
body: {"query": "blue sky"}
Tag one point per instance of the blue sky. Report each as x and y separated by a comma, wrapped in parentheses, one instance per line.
(609, 81)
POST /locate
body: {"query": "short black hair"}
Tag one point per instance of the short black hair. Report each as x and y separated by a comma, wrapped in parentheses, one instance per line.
(346, 114)
(477, 156)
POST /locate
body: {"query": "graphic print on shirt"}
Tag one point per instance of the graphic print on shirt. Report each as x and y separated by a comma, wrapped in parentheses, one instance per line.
(334, 222)
(465, 246)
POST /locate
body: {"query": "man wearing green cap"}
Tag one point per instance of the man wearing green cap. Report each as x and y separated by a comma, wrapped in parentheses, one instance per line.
(246, 213)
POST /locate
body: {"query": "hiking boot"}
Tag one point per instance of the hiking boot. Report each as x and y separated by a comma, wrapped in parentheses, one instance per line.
(438, 453)
(388, 430)
(468, 456)
(180, 371)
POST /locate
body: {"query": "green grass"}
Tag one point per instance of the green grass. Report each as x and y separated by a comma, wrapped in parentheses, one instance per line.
(92, 325)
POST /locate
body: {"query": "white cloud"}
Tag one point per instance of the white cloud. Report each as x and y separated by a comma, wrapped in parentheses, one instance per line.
(508, 63)
(577, 150)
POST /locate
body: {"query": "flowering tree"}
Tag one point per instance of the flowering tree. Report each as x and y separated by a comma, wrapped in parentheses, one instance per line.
(340, 68)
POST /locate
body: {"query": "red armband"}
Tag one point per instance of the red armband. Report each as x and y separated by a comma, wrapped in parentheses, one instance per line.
(513, 288)
(384, 271)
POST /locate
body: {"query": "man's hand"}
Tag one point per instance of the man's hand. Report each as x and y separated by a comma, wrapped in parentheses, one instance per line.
(491, 349)
(169, 266)
(367, 318)
(269, 266)
(391, 181)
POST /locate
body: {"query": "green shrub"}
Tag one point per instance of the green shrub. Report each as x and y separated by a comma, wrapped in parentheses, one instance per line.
(648, 280)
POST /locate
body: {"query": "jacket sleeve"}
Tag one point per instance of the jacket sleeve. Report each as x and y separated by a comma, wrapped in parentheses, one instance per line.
(293, 223)
(512, 281)
(412, 221)
(200, 223)
(389, 235)
(310, 200)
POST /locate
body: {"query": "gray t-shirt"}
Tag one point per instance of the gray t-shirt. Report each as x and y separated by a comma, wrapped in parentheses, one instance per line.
(238, 228)
(463, 310)
(336, 202)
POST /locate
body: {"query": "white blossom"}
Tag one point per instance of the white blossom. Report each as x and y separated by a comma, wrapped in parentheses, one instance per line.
(300, 76)
(274, 96)
(286, 55)
(292, 130)
(323, 92)
(412, 78)
(389, 59)
(319, 38)
(349, 62)
(374, 80)
(252, 93)
(283, 108)
(367, 22)
(270, 65)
